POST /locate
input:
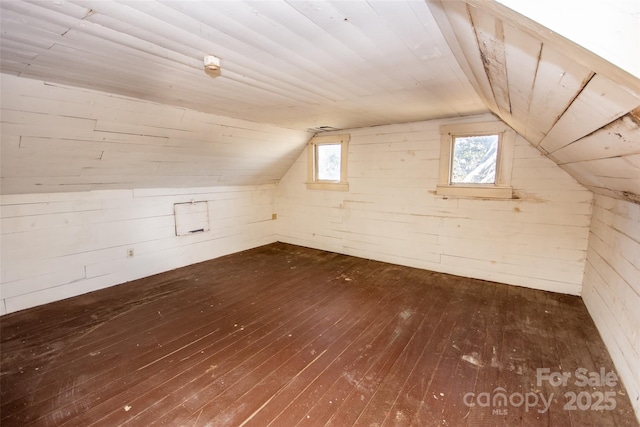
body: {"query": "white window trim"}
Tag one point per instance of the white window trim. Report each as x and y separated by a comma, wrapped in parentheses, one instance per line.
(501, 189)
(312, 182)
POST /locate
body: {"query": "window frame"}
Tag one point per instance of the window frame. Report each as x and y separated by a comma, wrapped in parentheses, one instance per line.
(313, 183)
(501, 188)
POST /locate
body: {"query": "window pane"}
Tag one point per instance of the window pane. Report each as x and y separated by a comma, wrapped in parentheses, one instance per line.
(474, 159)
(328, 162)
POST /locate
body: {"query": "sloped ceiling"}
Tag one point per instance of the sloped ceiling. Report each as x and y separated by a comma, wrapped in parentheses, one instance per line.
(576, 108)
(302, 65)
(297, 64)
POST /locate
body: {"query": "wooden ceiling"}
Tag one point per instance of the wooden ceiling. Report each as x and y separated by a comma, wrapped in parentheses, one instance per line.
(296, 64)
(576, 108)
(302, 65)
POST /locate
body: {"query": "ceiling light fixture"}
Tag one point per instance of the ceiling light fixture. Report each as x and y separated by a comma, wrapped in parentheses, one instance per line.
(212, 65)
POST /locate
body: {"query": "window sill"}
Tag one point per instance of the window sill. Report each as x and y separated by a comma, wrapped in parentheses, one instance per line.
(330, 186)
(476, 191)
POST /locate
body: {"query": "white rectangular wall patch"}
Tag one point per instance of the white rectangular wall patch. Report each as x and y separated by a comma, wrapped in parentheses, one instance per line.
(191, 218)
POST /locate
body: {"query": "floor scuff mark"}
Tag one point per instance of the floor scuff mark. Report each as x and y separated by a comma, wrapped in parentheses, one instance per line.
(474, 359)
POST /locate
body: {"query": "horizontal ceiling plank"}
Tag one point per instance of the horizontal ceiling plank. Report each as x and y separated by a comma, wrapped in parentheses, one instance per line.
(464, 91)
(28, 35)
(28, 185)
(389, 48)
(144, 76)
(611, 176)
(18, 51)
(97, 144)
(107, 43)
(600, 103)
(141, 129)
(40, 166)
(275, 34)
(414, 26)
(156, 19)
(294, 64)
(58, 7)
(627, 188)
(618, 138)
(17, 13)
(285, 19)
(174, 168)
(17, 56)
(46, 120)
(105, 150)
(333, 22)
(558, 82)
(46, 150)
(13, 68)
(230, 105)
(128, 46)
(174, 155)
(53, 69)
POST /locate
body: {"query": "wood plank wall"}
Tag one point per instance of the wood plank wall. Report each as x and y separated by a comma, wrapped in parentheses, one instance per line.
(58, 138)
(56, 246)
(87, 175)
(391, 212)
(576, 108)
(611, 288)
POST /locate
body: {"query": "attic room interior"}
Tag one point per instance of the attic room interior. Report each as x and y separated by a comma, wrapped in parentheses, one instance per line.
(283, 213)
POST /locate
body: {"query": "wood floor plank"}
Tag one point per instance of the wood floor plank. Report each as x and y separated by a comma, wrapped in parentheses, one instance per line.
(145, 338)
(282, 335)
(529, 351)
(592, 359)
(444, 387)
(234, 365)
(357, 375)
(472, 359)
(552, 411)
(235, 337)
(185, 286)
(292, 411)
(289, 377)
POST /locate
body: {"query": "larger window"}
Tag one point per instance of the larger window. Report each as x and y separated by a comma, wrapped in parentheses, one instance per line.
(327, 162)
(476, 160)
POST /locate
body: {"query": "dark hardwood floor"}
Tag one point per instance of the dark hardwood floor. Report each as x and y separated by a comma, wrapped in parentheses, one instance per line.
(285, 336)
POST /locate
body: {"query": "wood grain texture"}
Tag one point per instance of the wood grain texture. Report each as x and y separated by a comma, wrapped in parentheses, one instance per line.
(612, 285)
(462, 34)
(555, 94)
(72, 139)
(56, 246)
(285, 335)
(292, 64)
(617, 139)
(599, 103)
(490, 38)
(391, 212)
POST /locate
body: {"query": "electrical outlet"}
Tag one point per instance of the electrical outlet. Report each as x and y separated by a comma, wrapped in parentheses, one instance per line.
(130, 253)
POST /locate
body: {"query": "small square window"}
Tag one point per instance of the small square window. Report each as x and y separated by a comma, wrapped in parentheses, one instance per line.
(327, 162)
(476, 160)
